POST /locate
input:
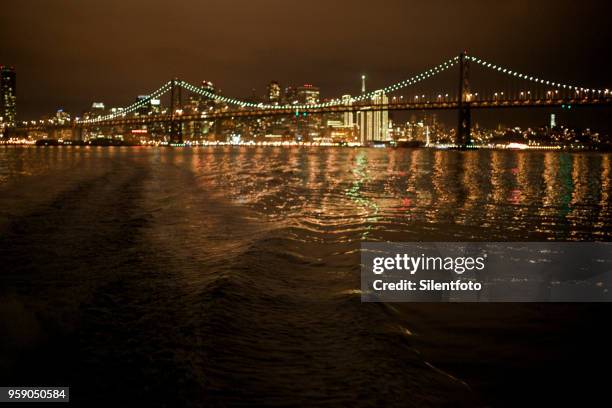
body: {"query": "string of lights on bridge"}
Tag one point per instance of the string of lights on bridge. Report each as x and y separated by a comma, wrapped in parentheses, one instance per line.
(535, 79)
(337, 101)
(233, 101)
(334, 102)
(165, 88)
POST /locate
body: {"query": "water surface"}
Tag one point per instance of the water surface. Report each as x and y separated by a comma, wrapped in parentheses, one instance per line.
(229, 276)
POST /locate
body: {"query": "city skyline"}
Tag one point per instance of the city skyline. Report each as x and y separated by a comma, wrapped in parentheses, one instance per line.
(289, 94)
(289, 43)
(209, 116)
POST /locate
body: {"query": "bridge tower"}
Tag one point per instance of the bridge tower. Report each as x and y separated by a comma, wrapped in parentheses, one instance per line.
(176, 105)
(464, 130)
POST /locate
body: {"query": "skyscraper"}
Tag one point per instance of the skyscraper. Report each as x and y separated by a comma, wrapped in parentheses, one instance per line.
(290, 96)
(205, 102)
(308, 126)
(274, 92)
(374, 124)
(146, 105)
(308, 94)
(8, 96)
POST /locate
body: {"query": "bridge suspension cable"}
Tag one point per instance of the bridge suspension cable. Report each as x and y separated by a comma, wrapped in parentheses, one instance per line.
(535, 79)
(165, 88)
(131, 108)
(337, 101)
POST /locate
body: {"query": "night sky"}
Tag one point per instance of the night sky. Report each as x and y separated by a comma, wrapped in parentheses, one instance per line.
(69, 53)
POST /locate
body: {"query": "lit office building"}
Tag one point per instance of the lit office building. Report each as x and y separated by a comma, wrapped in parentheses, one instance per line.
(155, 106)
(97, 109)
(308, 94)
(8, 96)
(208, 102)
(274, 92)
(150, 106)
(374, 124)
(290, 96)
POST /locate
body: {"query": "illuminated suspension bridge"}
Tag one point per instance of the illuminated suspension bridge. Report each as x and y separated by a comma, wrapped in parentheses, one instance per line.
(527, 91)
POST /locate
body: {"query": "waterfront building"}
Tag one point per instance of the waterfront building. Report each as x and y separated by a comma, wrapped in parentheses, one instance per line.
(8, 96)
(374, 124)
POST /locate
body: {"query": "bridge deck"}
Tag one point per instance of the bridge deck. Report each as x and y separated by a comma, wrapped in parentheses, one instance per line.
(250, 112)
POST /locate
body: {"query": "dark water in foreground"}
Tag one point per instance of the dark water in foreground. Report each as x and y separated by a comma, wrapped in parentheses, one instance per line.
(228, 276)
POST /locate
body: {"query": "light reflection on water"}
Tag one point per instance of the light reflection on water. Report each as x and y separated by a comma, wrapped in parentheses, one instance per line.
(516, 194)
(467, 195)
(232, 273)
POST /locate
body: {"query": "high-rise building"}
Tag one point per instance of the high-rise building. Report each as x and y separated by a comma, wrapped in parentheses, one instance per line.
(97, 109)
(308, 94)
(155, 106)
(274, 92)
(150, 106)
(8, 96)
(290, 96)
(553, 120)
(207, 102)
(308, 127)
(146, 105)
(62, 117)
(374, 124)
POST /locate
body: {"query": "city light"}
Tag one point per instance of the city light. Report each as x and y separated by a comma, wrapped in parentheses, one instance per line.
(148, 110)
